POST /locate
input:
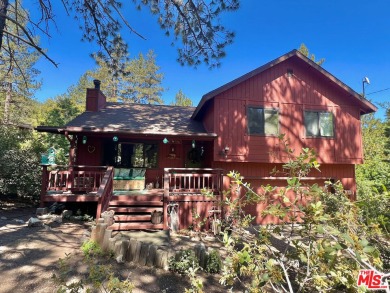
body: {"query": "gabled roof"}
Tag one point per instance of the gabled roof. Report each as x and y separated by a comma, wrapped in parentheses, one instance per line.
(136, 119)
(365, 105)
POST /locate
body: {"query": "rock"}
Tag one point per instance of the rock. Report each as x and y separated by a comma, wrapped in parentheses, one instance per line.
(4, 218)
(41, 211)
(119, 259)
(19, 221)
(34, 222)
(66, 214)
(56, 208)
(45, 217)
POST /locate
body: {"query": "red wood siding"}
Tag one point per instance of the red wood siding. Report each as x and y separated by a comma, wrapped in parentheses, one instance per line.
(208, 118)
(89, 154)
(255, 173)
(305, 90)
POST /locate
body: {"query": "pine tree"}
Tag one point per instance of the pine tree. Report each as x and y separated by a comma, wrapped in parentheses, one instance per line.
(17, 76)
(138, 81)
(305, 51)
(194, 25)
(182, 100)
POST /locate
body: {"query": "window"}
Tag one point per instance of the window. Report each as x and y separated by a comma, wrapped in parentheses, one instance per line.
(263, 121)
(136, 155)
(319, 124)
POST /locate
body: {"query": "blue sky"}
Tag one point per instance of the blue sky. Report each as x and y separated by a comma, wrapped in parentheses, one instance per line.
(353, 37)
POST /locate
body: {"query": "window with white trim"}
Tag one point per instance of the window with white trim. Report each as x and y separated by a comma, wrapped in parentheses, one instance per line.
(319, 124)
(263, 121)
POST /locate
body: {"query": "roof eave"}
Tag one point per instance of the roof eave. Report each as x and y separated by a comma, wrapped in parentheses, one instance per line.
(50, 129)
(119, 131)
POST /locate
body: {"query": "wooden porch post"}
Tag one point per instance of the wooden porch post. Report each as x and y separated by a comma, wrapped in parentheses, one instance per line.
(165, 198)
(44, 185)
(72, 152)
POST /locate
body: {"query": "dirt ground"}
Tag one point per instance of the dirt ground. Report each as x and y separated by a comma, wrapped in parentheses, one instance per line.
(29, 256)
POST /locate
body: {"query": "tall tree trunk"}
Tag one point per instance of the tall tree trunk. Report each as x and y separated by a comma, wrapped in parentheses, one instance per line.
(7, 103)
(3, 13)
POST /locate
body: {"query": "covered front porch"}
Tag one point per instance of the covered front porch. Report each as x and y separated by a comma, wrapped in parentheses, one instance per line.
(182, 192)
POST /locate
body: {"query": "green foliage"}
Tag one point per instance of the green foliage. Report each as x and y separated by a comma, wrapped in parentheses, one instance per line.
(183, 261)
(91, 249)
(320, 244)
(373, 177)
(18, 76)
(100, 276)
(305, 51)
(19, 162)
(196, 283)
(182, 100)
(195, 26)
(214, 263)
(139, 80)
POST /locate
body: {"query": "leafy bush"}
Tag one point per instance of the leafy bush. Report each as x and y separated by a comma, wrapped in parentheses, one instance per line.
(183, 261)
(100, 277)
(319, 245)
(20, 172)
(214, 262)
(91, 249)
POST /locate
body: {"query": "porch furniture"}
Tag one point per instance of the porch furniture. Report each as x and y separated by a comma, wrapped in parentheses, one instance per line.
(129, 178)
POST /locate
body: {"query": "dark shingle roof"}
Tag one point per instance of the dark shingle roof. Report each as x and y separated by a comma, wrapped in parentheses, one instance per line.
(139, 119)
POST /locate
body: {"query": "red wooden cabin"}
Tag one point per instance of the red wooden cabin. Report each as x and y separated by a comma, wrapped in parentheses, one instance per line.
(183, 150)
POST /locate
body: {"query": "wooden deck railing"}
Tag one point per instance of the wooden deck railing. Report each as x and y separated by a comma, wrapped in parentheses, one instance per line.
(105, 192)
(193, 180)
(186, 185)
(77, 179)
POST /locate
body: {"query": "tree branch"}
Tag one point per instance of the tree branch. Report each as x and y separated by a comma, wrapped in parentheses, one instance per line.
(32, 44)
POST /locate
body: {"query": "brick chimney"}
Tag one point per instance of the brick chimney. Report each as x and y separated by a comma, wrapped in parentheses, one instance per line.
(96, 100)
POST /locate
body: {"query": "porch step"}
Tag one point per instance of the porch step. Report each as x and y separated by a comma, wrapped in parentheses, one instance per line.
(132, 218)
(133, 198)
(136, 203)
(135, 226)
(134, 209)
(134, 212)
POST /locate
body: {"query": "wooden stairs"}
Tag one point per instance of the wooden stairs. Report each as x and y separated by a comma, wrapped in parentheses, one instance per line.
(133, 212)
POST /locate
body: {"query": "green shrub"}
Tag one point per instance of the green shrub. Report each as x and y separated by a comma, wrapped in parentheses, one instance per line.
(183, 261)
(214, 262)
(91, 249)
(100, 278)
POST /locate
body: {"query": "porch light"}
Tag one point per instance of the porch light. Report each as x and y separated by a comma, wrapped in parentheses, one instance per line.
(115, 138)
(84, 139)
(193, 144)
(225, 151)
(165, 140)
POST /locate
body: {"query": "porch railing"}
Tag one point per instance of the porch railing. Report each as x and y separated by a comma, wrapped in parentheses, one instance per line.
(77, 179)
(105, 192)
(192, 180)
(186, 185)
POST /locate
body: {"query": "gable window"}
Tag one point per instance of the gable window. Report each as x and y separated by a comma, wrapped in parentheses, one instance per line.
(263, 121)
(319, 124)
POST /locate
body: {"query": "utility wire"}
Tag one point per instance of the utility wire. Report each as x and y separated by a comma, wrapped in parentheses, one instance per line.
(379, 91)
